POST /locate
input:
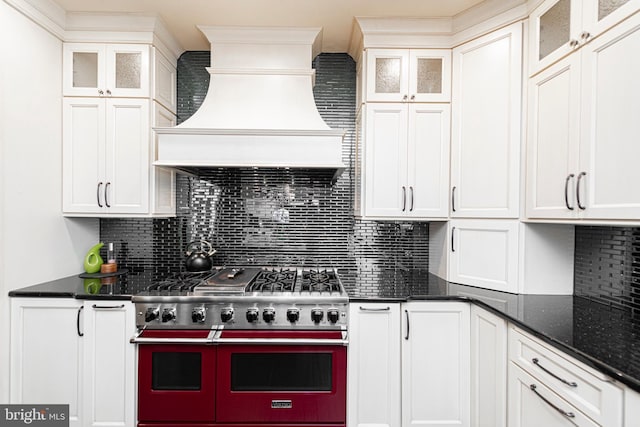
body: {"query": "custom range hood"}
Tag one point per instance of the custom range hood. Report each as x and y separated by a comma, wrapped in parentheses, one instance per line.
(259, 110)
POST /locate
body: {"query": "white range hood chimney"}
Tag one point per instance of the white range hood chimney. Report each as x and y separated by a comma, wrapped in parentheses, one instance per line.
(259, 110)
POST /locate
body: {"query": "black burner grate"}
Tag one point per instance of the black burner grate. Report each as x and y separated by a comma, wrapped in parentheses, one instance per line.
(319, 281)
(274, 280)
(179, 282)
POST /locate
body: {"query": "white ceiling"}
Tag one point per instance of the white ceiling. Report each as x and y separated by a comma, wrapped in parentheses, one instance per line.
(336, 17)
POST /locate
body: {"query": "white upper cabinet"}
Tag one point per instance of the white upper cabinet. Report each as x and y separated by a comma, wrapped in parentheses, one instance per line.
(119, 70)
(583, 132)
(105, 156)
(406, 160)
(408, 75)
(164, 81)
(557, 27)
(486, 125)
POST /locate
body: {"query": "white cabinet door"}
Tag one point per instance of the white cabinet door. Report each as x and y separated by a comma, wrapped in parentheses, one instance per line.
(386, 160)
(374, 365)
(553, 139)
(387, 75)
(435, 364)
(488, 369)
(109, 364)
(428, 161)
(532, 404)
(92, 69)
(83, 165)
(609, 148)
(406, 160)
(554, 31)
(164, 81)
(408, 75)
(127, 156)
(600, 15)
(485, 253)
(47, 353)
(486, 125)
(430, 75)
(105, 156)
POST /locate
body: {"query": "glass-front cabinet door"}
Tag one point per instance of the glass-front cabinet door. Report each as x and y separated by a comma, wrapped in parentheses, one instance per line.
(408, 75)
(559, 27)
(92, 69)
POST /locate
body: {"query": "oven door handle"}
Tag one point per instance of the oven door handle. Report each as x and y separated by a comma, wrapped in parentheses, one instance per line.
(137, 339)
(281, 341)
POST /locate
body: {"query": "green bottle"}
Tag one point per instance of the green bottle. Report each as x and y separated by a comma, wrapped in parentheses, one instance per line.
(93, 260)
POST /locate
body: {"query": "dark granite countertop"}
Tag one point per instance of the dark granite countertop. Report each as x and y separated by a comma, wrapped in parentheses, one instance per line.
(605, 338)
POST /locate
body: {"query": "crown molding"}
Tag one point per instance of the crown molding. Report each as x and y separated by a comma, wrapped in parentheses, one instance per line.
(46, 13)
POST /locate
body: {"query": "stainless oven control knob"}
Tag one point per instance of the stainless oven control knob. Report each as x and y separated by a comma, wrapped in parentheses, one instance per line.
(226, 314)
(252, 315)
(333, 315)
(168, 314)
(268, 315)
(152, 314)
(293, 315)
(198, 315)
(317, 315)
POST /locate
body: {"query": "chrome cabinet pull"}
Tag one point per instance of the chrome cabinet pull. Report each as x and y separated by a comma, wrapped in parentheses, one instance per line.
(574, 43)
(566, 191)
(411, 191)
(564, 413)
(585, 35)
(98, 193)
(80, 334)
(453, 234)
(453, 198)
(406, 313)
(413, 97)
(569, 383)
(374, 309)
(106, 199)
(404, 198)
(580, 205)
(108, 92)
(100, 92)
(404, 98)
(107, 307)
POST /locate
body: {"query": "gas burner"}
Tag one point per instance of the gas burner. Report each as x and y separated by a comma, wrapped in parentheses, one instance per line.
(274, 280)
(179, 282)
(320, 281)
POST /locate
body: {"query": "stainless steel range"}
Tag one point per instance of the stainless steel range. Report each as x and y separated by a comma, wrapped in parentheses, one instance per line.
(251, 346)
(245, 298)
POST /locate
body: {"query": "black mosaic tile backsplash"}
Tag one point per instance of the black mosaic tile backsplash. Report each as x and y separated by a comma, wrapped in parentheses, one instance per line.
(274, 216)
(607, 266)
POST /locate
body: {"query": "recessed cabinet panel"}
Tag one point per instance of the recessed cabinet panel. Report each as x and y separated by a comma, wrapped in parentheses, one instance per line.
(387, 74)
(609, 148)
(83, 162)
(386, 148)
(374, 365)
(164, 194)
(485, 253)
(554, 104)
(485, 135)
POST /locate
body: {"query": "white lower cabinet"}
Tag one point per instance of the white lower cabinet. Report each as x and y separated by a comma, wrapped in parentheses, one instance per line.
(47, 353)
(418, 378)
(435, 364)
(374, 365)
(550, 388)
(67, 352)
(488, 369)
(109, 364)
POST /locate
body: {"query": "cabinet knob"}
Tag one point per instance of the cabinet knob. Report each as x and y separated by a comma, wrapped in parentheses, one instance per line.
(404, 98)
(108, 92)
(574, 43)
(585, 35)
(413, 97)
(100, 92)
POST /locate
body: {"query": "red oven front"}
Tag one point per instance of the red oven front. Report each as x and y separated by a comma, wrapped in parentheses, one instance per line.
(176, 377)
(242, 378)
(271, 377)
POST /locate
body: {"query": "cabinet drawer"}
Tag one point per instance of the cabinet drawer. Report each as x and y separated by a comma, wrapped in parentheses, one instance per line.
(588, 390)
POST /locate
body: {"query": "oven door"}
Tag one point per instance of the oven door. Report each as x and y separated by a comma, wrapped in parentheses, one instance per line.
(176, 376)
(282, 377)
